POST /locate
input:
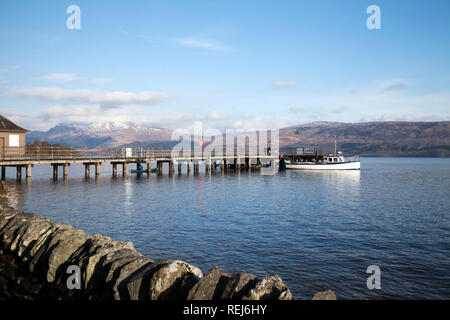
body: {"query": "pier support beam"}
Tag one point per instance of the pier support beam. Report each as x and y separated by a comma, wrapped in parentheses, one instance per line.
(196, 168)
(19, 173)
(3, 172)
(171, 168)
(188, 167)
(179, 168)
(114, 169)
(65, 170)
(159, 165)
(124, 169)
(28, 168)
(149, 168)
(55, 171)
(97, 168)
(86, 170)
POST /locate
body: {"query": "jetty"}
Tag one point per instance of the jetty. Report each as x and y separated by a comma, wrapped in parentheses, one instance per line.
(25, 158)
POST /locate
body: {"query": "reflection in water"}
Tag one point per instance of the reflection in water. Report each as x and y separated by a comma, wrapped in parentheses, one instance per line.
(317, 230)
(128, 192)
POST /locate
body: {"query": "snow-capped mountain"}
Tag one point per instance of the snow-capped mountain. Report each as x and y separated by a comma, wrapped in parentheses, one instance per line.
(103, 134)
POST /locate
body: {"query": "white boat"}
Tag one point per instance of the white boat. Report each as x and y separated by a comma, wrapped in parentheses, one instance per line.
(331, 162)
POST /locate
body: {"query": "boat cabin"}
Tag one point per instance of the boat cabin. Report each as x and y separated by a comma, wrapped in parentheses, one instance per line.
(335, 159)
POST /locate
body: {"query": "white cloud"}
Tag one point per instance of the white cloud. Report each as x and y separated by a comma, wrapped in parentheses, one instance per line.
(201, 43)
(84, 96)
(284, 84)
(58, 77)
(100, 80)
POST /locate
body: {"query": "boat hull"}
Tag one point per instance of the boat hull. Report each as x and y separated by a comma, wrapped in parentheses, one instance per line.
(330, 166)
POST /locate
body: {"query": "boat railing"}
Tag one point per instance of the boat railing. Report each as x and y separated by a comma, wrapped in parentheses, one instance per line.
(352, 159)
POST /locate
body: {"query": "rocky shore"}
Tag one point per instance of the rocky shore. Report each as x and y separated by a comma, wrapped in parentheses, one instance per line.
(37, 259)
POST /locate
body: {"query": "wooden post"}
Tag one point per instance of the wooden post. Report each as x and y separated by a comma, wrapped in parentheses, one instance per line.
(55, 171)
(188, 167)
(114, 169)
(124, 169)
(179, 167)
(196, 168)
(171, 168)
(86, 170)
(28, 170)
(3, 172)
(97, 168)
(65, 170)
(19, 173)
(149, 168)
(159, 165)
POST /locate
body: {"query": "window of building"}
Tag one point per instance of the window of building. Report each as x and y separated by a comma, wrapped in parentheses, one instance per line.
(13, 140)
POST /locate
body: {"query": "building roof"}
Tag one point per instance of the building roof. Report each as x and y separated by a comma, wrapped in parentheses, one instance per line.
(8, 125)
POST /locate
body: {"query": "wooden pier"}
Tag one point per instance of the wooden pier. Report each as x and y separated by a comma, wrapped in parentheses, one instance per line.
(63, 157)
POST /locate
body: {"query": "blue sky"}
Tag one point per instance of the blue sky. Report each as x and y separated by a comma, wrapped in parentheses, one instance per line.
(233, 64)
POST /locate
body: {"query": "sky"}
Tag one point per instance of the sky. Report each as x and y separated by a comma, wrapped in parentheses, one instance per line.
(230, 64)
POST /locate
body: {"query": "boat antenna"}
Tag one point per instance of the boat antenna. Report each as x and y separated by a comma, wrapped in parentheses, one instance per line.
(335, 145)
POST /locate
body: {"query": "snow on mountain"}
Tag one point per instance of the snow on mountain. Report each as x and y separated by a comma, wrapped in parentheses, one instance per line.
(104, 134)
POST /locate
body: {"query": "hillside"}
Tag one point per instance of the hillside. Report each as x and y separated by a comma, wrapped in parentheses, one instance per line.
(415, 139)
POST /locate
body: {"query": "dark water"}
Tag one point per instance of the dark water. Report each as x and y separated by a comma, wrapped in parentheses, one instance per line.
(317, 230)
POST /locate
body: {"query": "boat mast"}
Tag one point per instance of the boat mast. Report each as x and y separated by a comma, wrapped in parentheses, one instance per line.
(335, 145)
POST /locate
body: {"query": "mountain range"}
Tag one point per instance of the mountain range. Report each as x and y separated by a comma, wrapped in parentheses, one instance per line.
(396, 138)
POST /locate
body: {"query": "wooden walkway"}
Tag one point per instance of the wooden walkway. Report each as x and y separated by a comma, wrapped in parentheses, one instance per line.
(65, 156)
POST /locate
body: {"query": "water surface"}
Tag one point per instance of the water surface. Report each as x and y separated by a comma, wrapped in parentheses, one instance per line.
(317, 230)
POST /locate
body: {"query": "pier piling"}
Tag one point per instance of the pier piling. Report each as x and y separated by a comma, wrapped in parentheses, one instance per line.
(19, 173)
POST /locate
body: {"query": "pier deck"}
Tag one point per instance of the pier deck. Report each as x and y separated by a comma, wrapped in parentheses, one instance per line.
(65, 156)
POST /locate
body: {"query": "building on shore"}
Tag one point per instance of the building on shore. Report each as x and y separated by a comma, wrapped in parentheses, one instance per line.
(12, 138)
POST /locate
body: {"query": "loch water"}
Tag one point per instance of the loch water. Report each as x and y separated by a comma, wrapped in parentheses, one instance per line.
(317, 230)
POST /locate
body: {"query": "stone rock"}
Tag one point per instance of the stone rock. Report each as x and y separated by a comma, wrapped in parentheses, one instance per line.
(30, 252)
(125, 273)
(211, 286)
(163, 279)
(324, 295)
(40, 259)
(173, 280)
(90, 253)
(269, 288)
(107, 271)
(68, 242)
(32, 234)
(12, 228)
(238, 286)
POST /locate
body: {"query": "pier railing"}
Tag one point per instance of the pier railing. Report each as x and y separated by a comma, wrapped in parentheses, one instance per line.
(34, 152)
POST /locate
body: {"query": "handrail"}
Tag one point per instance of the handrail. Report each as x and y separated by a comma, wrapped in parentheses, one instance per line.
(52, 152)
